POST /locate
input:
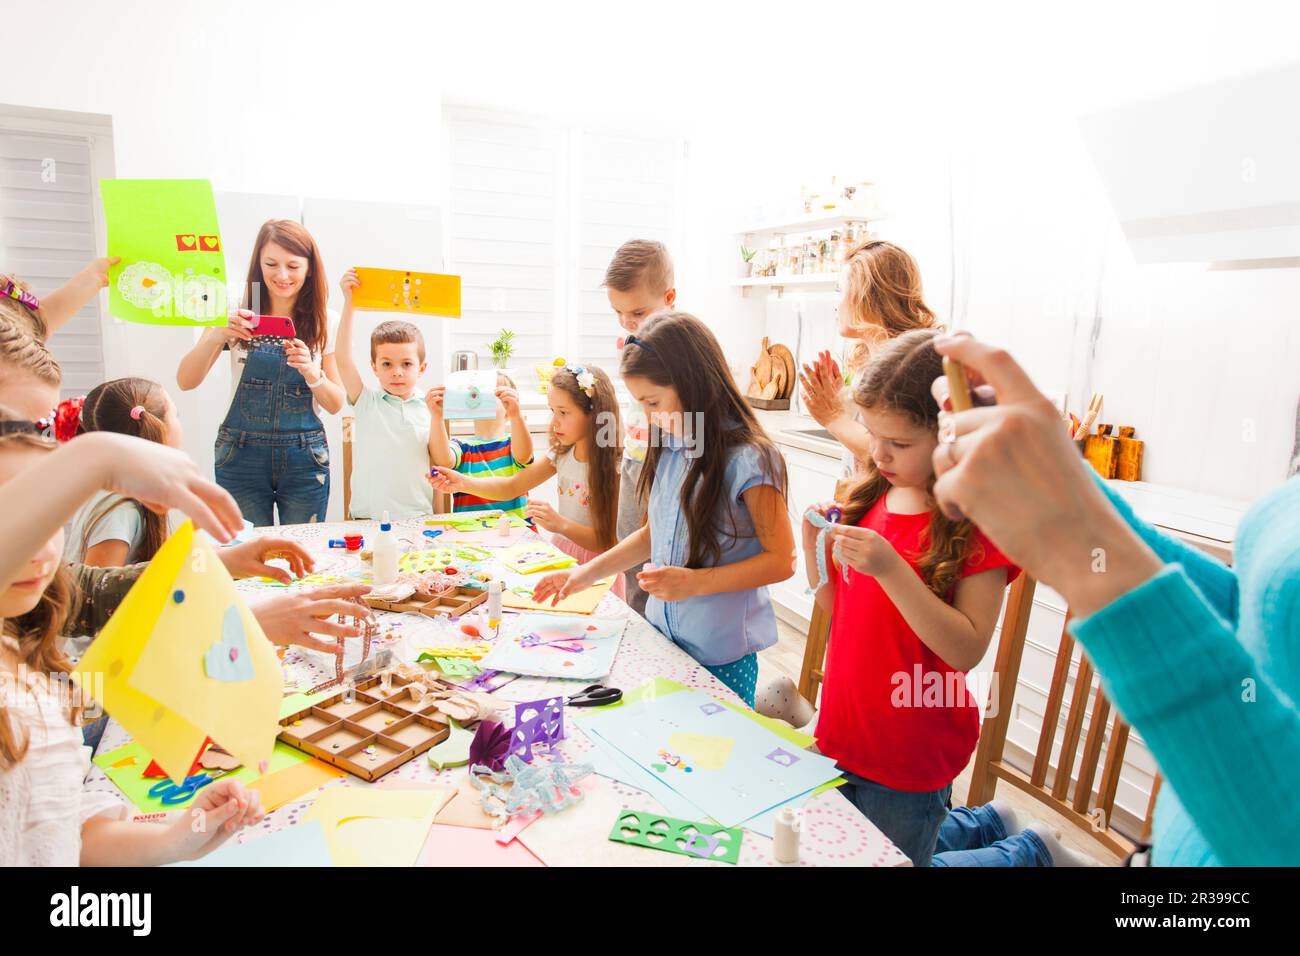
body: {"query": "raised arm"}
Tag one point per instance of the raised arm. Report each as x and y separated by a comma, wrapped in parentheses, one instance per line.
(65, 301)
(349, 376)
(521, 442)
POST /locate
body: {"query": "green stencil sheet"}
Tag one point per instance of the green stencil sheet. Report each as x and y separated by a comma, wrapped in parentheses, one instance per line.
(702, 841)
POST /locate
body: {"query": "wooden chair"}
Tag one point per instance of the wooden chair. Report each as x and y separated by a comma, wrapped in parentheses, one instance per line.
(990, 766)
(347, 467)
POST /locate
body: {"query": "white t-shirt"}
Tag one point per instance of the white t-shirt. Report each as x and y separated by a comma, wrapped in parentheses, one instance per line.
(43, 796)
(239, 356)
(571, 482)
(124, 522)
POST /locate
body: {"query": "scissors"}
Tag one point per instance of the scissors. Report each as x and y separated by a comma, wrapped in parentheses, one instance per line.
(597, 695)
(173, 793)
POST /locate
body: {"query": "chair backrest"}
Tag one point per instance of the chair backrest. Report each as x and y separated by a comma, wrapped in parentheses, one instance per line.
(1093, 816)
(348, 421)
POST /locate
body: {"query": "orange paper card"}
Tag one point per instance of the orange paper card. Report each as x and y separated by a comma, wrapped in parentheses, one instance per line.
(398, 290)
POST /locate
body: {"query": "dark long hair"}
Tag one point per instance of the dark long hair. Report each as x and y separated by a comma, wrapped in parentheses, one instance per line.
(898, 379)
(603, 466)
(107, 408)
(680, 352)
(309, 308)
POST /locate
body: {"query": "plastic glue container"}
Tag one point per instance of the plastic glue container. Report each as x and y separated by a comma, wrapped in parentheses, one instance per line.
(494, 604)
(385, 561)
(503, 526)
(785, 836)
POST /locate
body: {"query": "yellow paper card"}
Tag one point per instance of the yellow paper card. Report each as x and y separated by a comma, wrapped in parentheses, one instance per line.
(183, 658)
(372, 826)
(583, 602)
(397, 290)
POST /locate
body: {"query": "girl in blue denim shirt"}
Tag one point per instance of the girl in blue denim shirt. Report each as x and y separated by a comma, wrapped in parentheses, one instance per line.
(717, 530)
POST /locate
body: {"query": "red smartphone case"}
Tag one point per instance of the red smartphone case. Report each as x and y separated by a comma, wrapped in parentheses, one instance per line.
(276, 326)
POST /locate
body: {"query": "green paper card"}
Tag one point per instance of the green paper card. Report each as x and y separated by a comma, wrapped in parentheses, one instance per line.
(125, 766)
(703, 841)
(173, 271)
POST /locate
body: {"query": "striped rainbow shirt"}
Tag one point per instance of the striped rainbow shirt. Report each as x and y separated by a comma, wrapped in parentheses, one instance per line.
(485, 458)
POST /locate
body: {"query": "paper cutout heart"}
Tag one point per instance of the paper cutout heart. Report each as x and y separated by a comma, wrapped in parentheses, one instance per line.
(210, 243)
(228, 659)
(186, 242)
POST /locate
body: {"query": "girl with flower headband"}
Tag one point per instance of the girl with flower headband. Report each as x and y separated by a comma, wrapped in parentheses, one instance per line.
(111, 530)
(585, 449)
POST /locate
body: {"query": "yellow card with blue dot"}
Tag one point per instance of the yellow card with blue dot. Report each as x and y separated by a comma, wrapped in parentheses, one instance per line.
(183, 659)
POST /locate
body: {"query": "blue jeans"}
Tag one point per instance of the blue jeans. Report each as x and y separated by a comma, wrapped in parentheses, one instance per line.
(288, 472)
(975, 836)
(271, 453)
(910, 820)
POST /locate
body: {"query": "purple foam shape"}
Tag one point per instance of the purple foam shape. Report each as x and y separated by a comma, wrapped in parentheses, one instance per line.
(783, 757)
(693, 844)
(490, 746)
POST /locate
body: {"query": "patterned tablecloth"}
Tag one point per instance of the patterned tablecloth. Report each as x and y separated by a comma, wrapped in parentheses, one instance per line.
(834, 832)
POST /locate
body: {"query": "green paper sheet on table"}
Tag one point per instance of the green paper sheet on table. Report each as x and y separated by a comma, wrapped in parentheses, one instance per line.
(135, 787)
(173, 271)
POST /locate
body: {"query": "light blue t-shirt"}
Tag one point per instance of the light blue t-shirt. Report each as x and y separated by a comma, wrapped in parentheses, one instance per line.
(108, 521)
(714, 628)
(390, 456)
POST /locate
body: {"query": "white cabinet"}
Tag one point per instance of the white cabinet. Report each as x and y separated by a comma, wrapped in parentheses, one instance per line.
(812, 478)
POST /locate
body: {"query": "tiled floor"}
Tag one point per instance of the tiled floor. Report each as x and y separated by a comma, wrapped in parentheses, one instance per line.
(786, 658)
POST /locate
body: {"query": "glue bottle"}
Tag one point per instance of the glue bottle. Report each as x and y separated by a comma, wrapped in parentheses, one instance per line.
(503, 525)
(494, 604)
(385, 560)
(785, 836)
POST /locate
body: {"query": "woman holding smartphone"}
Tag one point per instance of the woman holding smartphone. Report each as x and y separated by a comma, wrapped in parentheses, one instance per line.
(271, 453)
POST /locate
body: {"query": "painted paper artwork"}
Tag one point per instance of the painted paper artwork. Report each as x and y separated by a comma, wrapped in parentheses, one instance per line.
(173, 270)
(470, 395)
(555, 645)
(401, 290)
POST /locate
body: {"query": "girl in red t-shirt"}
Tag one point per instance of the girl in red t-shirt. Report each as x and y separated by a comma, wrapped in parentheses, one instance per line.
(914, 597)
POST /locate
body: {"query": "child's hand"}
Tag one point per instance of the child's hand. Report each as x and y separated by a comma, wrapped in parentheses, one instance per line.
(97, 269)
(560, 584)
(820, 508)
(296, 618)
(160, 478)
(446, 479)
(219, 810)
(863, 550)
(349, 282)
(509, 399)
(249, 559)
(545, 515)
(433, 398)
(667, 584)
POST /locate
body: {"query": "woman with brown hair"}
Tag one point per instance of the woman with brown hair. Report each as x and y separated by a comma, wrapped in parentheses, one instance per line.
(271, 453)
(881, 298)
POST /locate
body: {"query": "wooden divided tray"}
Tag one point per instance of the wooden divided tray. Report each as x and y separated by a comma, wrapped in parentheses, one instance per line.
(454, 603)
(373, 735)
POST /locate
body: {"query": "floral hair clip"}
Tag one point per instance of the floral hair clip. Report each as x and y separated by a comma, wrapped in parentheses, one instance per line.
(11, 288)
(62, 423)
(586, 379)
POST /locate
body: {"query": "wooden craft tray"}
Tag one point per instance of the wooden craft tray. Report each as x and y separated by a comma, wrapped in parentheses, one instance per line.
(454, 603)
(396, 726)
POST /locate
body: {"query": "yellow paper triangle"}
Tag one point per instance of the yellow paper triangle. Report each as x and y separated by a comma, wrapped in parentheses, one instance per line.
(147, 664)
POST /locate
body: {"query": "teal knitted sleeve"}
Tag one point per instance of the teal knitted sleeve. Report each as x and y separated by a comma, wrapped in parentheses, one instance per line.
(1224, 736)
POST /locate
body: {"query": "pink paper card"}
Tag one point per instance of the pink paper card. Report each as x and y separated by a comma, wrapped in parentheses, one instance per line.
(461, 846)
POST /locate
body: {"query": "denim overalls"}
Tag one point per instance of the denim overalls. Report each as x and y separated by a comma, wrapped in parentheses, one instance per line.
(271, 449)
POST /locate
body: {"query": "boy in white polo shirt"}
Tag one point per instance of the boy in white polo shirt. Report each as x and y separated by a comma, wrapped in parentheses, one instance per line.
(390, 433)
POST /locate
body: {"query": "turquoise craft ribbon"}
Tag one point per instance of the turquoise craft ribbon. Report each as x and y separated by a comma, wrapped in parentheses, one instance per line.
(824, 527)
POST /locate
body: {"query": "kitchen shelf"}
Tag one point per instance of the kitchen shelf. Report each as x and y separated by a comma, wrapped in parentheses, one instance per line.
(826, 219)
(822, 280)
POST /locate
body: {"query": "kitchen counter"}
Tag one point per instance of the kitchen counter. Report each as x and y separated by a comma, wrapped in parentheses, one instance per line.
(785, 428)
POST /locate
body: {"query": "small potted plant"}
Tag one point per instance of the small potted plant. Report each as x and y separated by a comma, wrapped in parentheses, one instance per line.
(502, 348)
(746, 261)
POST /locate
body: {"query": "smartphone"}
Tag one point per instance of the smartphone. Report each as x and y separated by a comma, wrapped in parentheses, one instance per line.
(275, 326)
